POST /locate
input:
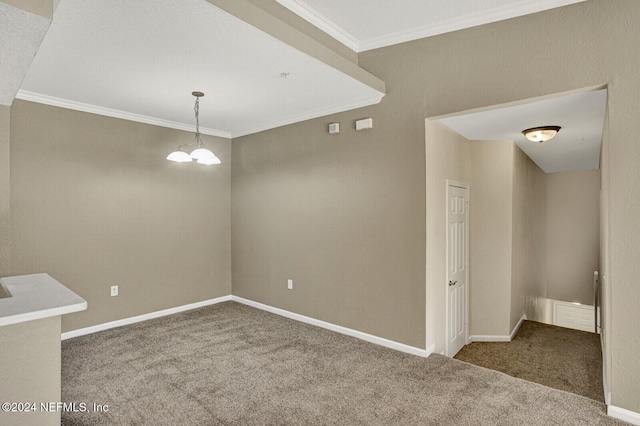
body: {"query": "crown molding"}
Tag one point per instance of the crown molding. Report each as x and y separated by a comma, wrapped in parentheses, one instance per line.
(467, 21)
(109, 112)
(312, 16)
(300, 8)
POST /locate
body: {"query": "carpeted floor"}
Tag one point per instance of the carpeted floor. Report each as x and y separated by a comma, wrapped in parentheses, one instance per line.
(561, 358)
(230, 364)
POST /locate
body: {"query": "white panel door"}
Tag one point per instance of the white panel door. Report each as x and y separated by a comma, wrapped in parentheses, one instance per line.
(457, 265)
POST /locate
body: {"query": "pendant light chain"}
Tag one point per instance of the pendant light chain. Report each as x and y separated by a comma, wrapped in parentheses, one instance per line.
(196, 109)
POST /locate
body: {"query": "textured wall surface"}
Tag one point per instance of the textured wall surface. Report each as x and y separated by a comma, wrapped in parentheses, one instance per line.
(605, 282)
(94, 203)
(447, 157)
(591, 44)
(5, 192)
(573, 234)
(343, 216)
(31, 365)
(339, 215)
(491, 236)
(528, 262)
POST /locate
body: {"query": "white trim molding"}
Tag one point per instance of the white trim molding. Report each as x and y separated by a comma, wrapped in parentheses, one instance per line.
(624, 414)
(114, 113)
(605, 377)
(373, 100)
(518, 8)
(320, 21)
(496, 14)
(338, 329)
(124, 115)
(517, 327)
(140, 318)
(490, 338)
(297, 317)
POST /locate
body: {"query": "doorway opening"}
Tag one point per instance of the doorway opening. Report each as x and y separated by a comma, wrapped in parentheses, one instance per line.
(537, 233)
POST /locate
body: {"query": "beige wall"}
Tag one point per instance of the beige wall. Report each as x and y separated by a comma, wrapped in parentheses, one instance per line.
(39, 7)
(341, 215)
(591, 43)
(31, 364)
(573, 242)
(490, 65)
(561, 216)
(528, 273)
(5, 193)
(447, 158)
(491, 237)
(605, 286)
(344, 216)
(94, 203)
(508, 265)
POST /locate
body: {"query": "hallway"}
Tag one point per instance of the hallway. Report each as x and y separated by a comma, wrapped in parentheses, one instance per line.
(557, 357)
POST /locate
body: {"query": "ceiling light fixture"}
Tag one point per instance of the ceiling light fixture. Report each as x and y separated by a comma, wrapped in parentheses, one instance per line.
(541, 134)
(201, 153)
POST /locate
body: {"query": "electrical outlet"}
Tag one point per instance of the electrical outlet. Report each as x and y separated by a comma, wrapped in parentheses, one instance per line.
(114, 290)
(290, 284)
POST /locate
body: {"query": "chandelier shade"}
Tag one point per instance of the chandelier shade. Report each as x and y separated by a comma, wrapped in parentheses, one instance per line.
(179, 156)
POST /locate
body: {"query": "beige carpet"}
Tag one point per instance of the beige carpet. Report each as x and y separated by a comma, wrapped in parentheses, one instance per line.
(230, 364)
(558, 357)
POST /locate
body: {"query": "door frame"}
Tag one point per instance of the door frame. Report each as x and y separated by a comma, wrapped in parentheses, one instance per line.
(465, 186)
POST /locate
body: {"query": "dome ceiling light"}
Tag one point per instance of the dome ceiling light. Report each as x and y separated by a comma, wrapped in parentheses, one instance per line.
(541, 134)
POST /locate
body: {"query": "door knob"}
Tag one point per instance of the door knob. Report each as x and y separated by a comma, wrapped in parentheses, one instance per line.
(452, 283)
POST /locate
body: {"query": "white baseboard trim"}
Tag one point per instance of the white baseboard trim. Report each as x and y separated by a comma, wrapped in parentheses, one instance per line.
(605, 377)
(339, 329)
(140, 318)
(297, 317)
(517, 327)
(624, 414)
(491, 338)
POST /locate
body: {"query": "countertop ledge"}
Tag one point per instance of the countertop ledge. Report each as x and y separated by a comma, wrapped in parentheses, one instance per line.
(36, 296)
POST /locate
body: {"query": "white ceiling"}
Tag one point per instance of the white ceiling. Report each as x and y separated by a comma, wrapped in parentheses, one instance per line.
(369, 24)
(142, 59)
(20, 36)
(575, 147)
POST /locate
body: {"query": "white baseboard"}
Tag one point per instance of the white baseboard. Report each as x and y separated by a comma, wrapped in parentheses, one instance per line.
(491, 338)
(624, 414)
(605, 376)
(140, 318)
(517, 327)
(339, 329)
(308, 320)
